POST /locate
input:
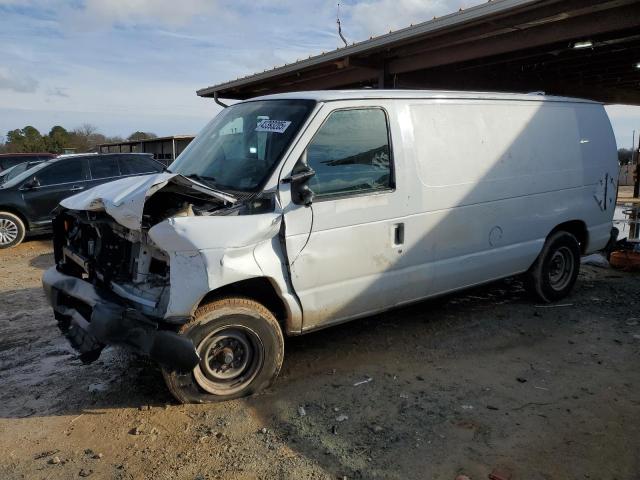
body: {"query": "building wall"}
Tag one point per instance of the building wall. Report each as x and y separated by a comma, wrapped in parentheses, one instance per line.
(181, 144)
(162, 149)
(626, 175)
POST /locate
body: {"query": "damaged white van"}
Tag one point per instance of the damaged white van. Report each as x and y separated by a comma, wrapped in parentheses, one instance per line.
(293, 212)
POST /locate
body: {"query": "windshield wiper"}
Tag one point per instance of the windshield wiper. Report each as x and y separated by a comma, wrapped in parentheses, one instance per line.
(208, 183)
(201, 178)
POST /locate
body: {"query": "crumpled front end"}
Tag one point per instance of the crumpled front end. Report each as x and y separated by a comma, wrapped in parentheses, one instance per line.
(135, 258)
(111, 287)
(91, 318)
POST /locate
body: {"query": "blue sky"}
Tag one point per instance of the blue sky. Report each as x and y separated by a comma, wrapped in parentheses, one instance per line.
(126, 65)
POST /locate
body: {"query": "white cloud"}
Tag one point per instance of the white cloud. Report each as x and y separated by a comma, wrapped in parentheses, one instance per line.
(137, 12)
(376, 17)
(16, 81)
(57, 92)
(129, 65)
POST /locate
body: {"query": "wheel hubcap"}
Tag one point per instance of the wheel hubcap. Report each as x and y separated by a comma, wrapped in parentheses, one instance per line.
(230, 358)
(561, 268)
(8, 231)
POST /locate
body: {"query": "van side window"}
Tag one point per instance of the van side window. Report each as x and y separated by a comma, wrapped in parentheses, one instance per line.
(351, 154)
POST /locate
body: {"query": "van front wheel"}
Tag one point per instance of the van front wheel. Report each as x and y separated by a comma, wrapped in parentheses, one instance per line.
(556, 269)
(241, 348)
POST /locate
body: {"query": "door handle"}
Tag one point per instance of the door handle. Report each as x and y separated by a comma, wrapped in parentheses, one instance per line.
(398, 234)
(75, 188)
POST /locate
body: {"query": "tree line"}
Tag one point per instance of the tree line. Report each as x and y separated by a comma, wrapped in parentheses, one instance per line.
(625, 156)
(81, 139)
(86, 137)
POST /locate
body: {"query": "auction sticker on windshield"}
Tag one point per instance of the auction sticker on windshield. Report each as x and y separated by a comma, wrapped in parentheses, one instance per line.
(274, 126)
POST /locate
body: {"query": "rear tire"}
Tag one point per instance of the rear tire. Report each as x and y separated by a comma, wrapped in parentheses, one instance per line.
(12, 230)
(555, 271)
(241, 348)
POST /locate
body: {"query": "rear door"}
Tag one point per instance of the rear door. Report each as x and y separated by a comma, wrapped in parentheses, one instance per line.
(57, 181)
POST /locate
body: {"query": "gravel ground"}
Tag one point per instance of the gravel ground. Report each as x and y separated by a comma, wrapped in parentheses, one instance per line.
(474, 382)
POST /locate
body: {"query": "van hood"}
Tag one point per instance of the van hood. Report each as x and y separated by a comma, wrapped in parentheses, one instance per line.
(124, 199)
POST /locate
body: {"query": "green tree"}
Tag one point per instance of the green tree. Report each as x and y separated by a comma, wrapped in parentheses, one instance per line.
(58, 139)
(141, 136)
(625, 156)
(25, 140)
(15, 141)
(33, 140)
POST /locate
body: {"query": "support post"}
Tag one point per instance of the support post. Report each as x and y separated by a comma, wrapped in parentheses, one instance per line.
(635, 153)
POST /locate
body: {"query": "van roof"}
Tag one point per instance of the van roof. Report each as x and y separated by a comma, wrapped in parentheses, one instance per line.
(362, 94)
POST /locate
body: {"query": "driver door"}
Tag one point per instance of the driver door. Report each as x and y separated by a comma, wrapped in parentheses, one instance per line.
(344, 248)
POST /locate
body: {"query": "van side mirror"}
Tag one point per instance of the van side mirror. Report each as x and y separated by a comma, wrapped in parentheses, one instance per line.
(299, 179)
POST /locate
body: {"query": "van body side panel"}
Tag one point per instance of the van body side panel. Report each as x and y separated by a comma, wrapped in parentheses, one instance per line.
(480, 184)
(600, 162)
(497, 177)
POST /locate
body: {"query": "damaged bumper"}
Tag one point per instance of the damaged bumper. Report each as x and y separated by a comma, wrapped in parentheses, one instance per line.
(92, 318)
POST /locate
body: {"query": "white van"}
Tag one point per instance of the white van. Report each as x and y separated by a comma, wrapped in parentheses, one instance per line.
(292, 212)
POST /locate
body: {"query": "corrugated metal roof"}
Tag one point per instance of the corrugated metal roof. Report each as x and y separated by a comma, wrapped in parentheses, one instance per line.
(493, 7)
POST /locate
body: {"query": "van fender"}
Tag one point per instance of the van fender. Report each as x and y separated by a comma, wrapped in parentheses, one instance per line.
(196, 273)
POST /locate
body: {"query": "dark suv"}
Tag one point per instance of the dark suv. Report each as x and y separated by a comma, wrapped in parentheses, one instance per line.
(8, 160)
(27, 200)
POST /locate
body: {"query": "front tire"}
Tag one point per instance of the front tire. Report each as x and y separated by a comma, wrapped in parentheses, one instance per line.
(241, 348)
(555, 271)
(12, 230)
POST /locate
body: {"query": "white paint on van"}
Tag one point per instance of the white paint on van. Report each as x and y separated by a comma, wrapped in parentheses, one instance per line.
(480, 181)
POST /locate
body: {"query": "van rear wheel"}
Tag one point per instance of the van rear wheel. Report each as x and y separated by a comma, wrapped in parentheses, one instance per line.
(555, 271)
(241, 348)
(12, 230)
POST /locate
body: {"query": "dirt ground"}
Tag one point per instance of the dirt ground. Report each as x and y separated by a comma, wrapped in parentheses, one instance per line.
(481, 380)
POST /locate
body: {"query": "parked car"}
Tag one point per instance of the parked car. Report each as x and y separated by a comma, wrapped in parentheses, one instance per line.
(28, 199)
(16, 170)
(294, 212)
(8, 160)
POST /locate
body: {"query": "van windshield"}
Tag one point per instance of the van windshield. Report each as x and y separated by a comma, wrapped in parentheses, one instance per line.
(239, 149)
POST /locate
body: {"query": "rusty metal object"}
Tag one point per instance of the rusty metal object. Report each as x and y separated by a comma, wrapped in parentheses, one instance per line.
(628, 261)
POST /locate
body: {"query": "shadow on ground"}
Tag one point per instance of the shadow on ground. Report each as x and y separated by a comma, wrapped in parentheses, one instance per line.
(35, 358)
(459, 384)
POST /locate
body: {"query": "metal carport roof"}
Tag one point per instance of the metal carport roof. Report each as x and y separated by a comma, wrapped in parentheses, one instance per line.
(584, 48)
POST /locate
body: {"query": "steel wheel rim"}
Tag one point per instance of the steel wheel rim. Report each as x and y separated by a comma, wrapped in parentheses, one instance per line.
(561, 268)
(230, 358)
(8, 231)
